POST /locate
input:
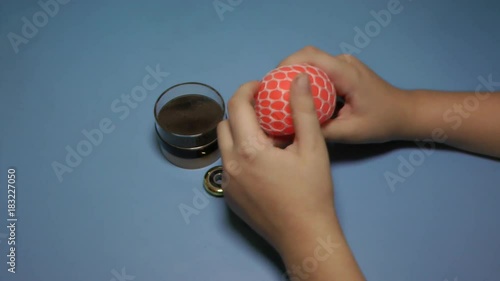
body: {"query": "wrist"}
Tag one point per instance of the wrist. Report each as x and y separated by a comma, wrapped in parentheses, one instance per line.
(408, 124)
(302, 241)
(320, 254)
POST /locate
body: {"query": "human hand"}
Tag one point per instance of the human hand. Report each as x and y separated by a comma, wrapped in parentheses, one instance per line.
(286, 195)
(374, 110)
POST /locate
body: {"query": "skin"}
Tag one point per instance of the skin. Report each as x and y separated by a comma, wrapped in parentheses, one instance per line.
(376, 111)
(286, 195)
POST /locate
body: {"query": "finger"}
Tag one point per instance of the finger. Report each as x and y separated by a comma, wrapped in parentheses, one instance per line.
(340, 71)
(224, 139)
(340, 130)
(242, 117)
(305, 118)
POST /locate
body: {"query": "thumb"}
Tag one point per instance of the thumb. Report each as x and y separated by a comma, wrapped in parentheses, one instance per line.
(305, 118)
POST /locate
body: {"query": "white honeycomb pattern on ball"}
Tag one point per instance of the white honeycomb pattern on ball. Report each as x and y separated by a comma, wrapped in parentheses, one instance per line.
(272, 100)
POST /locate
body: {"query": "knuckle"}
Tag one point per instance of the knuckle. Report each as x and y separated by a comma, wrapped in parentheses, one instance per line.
(351, 57)
(247, 152)
(246, 87)
(310, 49)
(231, 169)
(232, 103)
(255, 142)
(300, 56)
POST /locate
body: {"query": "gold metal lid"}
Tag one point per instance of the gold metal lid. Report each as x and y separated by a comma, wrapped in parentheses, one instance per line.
(213, 181)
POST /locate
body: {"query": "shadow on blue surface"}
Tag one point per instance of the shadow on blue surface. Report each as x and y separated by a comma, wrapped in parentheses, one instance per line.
(255, 240)
(356, 152)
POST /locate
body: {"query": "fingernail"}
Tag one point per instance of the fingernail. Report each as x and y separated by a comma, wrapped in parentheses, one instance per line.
(302, 81)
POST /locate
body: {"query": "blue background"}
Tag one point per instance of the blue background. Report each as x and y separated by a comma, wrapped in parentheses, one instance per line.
(119, 209)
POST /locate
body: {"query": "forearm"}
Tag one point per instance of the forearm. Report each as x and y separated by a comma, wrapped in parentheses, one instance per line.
(321, 254)
(466, 120)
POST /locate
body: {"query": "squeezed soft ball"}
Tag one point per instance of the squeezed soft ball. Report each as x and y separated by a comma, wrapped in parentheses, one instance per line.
(272, 100)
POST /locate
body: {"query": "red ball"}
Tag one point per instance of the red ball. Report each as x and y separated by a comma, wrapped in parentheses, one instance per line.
(272, 100)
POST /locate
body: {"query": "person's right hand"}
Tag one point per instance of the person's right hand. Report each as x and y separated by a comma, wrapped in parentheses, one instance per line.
(374, 110)
(286, 195)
